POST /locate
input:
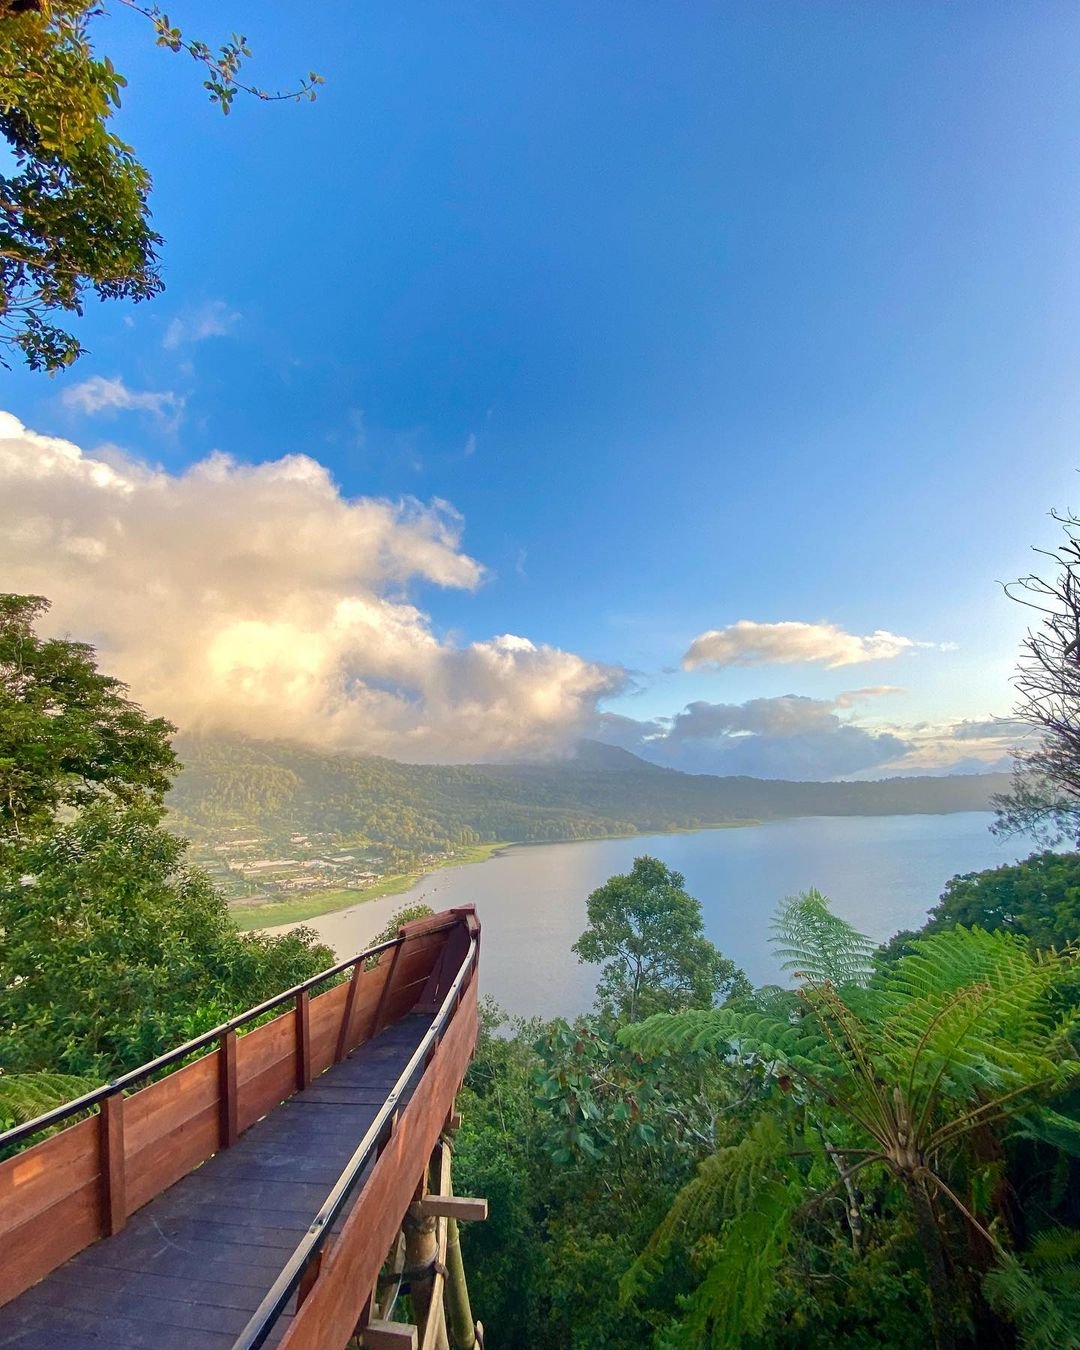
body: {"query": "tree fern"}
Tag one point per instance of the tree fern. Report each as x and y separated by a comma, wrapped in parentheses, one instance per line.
(732, 1302)
(967, 1032)
(723, 1187)
(745, 1194)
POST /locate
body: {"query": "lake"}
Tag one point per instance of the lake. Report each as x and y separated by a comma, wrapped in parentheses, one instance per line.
(881, 872)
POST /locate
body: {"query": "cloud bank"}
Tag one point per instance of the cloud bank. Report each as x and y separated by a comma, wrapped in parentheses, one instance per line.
(808, 738)
(747, 643)
(786, 737)
(259, 599)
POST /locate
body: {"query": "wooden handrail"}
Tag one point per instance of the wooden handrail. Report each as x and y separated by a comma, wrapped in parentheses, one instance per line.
(95, 1097)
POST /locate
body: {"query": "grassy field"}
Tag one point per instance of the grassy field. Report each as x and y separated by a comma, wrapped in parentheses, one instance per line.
(313, 903)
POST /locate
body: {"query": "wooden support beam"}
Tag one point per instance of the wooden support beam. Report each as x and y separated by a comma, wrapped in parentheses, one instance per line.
(113, 1179)
(453, 1123)
(463, 1208)
(228, 1131)
(303, 1040)
(389, 1336)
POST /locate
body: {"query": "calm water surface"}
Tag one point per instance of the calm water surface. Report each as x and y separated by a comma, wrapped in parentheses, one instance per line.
(882, 873)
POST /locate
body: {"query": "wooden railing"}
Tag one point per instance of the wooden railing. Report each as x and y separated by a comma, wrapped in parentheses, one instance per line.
(64, 1193)
(334, 1284)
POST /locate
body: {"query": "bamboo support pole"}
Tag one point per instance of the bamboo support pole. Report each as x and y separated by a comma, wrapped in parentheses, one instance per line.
(459, 1316)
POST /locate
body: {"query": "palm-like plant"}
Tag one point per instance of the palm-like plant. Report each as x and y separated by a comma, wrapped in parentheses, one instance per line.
(909, 1061)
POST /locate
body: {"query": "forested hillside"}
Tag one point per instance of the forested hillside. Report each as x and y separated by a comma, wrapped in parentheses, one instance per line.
(277, 789)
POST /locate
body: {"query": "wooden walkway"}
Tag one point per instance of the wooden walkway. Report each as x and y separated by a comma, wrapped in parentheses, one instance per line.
(197, 1266)
(188, 1271)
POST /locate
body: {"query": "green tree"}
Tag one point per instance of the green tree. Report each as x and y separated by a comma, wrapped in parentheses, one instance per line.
(68, 734)
(1038, 899)
(114, 950)
(405, 914)
(647, 934)
(906, 1075)
(74, 214)
(498, 1154)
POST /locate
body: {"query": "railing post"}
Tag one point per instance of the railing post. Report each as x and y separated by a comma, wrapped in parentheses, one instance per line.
(347, 1016)
(384, 996)
(227, 1103)
(113, 1187)
(303, 1039)
(308, 1278)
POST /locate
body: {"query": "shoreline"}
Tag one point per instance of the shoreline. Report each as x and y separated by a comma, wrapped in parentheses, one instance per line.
(317, 904)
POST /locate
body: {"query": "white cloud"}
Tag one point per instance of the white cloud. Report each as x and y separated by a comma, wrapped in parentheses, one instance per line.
(214, 319)
(258, 598)
(747, 643)
(101, 395)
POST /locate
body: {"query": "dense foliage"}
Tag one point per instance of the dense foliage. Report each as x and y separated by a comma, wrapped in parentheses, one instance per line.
(68, 734)
(884, 1155)
(112, 950)
(1038, 899)
(115, 951)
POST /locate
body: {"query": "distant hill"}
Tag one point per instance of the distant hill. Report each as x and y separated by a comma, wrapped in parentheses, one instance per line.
(276, 788)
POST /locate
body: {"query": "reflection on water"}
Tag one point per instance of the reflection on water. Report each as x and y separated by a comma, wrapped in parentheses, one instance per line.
(882, 873)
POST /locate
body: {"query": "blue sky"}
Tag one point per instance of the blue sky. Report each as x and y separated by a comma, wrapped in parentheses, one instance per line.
(695, 313)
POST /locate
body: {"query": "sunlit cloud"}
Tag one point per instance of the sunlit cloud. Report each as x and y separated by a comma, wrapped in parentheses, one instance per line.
(747, 643)
(258, 598)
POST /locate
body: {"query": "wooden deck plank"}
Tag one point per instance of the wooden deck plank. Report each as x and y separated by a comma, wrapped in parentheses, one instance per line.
(207, 1293)
(231, 1263)
(109, 1330)
(108, 1301)
(36, 1339)
(193, 1264)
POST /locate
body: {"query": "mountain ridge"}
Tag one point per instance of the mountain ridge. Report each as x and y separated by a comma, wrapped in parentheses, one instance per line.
(280, 788)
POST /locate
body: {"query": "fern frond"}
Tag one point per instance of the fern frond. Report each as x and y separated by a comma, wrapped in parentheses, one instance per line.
(797, 1044)
(1051, 1127)
(23, 1096)
(971, 1016)
(733, 1301)
(728, 1185)
(1040, 1295)
(817, 945)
